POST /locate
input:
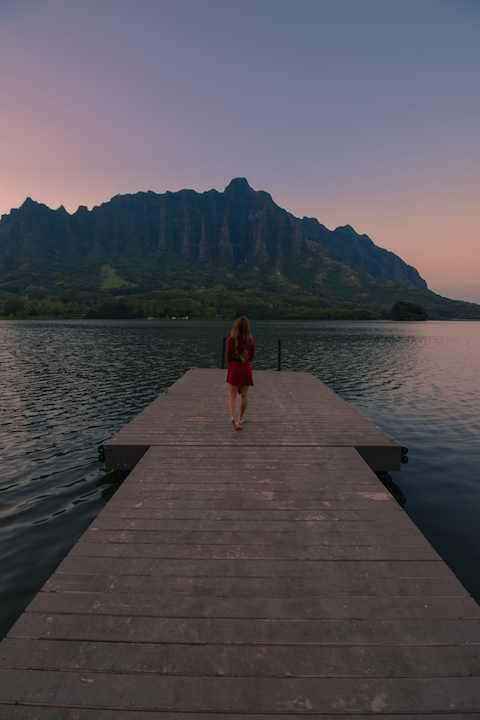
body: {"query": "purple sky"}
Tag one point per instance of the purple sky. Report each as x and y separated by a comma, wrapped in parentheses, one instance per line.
(359, 112)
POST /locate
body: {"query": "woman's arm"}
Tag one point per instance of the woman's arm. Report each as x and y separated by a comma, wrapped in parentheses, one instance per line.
(251, 350)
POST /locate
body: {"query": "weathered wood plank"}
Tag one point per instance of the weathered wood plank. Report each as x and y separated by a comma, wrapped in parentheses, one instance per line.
(255, 498)
(277, 520)
(51, 713)
(125, 548)
(63, 713)
(256, 568)
(248, 631)
(193, 694)
(204, 607)
(426, 590)
(153, 530)
(311, 518)
(242, 661)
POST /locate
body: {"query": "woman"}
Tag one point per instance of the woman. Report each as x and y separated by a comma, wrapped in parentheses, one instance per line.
(240, 351)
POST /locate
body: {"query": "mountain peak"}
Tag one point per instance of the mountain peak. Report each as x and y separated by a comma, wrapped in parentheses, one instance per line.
(28, 202)
(239, 186)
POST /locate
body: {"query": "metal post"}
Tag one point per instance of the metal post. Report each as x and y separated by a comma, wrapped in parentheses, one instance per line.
(223, 353)
(279, 355)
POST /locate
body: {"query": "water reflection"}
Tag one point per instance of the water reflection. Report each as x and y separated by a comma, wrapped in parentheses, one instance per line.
(110, 482)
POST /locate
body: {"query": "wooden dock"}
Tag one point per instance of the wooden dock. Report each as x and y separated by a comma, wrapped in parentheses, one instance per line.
(264, 573)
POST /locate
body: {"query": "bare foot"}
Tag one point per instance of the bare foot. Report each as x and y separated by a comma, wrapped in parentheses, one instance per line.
(235, 424)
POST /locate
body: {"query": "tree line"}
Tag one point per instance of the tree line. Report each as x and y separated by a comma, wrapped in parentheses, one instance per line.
(218, 303)
(167, 305)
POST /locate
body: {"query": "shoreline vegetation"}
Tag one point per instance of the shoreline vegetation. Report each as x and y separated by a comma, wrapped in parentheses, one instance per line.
(42, 303)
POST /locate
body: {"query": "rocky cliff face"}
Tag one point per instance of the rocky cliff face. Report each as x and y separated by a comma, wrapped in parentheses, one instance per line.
(152, 240)
(360, 253)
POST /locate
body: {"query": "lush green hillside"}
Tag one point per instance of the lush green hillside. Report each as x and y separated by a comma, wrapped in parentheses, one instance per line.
(199, 254)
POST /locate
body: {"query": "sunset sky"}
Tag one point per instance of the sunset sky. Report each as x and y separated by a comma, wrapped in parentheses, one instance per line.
(359, 112)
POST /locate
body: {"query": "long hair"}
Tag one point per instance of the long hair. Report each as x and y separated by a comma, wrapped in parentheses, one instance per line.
(241, 335)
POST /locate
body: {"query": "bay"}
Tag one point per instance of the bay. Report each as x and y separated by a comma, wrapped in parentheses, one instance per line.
(67, 386)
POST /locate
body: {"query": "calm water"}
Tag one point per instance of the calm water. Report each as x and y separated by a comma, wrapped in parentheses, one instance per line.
(66, 386)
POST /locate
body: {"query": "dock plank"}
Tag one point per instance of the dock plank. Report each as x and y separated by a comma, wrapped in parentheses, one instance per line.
(251, 551)
(241, 660)
(220, 694)
(229, 631)
(260, 574)
(321, 588)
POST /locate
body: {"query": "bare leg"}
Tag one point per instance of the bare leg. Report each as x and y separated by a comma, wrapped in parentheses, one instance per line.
(243, 404)
(232, 404)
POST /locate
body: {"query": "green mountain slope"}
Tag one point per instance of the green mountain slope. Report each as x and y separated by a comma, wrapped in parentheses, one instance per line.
(185, 243)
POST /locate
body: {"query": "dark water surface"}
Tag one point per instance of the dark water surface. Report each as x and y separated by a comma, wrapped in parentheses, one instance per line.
(66, 386)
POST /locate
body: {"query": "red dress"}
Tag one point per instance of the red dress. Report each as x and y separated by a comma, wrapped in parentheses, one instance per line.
(239, 373)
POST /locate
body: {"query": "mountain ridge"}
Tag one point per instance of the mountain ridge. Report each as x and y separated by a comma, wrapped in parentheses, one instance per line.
(234, 241)
(211, 239)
